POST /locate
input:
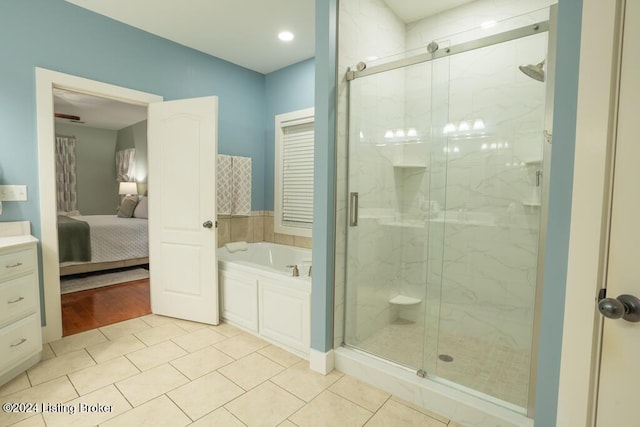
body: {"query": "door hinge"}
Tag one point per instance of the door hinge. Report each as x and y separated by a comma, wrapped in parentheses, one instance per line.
(216, 223)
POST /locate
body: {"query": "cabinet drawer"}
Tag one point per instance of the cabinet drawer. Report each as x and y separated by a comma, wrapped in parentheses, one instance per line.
(20, 340)
(16, 263)
(18, 298)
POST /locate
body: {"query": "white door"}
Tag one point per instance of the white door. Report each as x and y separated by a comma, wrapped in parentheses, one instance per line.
(182, 208)
(618, 398)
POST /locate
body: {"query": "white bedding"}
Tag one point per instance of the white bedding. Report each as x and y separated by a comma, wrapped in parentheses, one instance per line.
(115, 239)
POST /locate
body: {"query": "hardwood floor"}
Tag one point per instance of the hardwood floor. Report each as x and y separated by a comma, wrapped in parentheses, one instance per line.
(85, 310)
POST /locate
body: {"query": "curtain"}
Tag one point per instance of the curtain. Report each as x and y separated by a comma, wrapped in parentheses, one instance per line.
(126, 165)
(66, 187)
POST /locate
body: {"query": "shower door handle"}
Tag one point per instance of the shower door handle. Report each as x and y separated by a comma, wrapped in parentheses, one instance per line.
(353, 209)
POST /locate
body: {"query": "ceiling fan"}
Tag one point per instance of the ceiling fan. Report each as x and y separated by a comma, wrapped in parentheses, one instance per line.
(70, 117)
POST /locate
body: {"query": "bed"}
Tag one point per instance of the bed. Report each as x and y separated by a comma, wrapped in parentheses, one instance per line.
(112, 242)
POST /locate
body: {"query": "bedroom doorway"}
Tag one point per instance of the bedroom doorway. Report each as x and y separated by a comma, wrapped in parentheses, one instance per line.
(182, 240)
(101, 148)
(46, 82)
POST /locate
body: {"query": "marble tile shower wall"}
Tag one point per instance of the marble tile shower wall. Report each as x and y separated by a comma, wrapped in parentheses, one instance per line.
(366, 27)
(481, 248)
(254, 229)
(488, 279)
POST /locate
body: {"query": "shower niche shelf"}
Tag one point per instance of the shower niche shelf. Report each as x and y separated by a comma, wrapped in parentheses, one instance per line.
(409, 165)
(533, 162)
(404, 300)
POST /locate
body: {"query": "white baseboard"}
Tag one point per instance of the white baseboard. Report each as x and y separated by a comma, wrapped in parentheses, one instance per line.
(321, 362)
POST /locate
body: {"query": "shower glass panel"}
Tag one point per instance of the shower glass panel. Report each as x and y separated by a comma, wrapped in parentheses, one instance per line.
(390, 189)
(491, 219)
(445, 186)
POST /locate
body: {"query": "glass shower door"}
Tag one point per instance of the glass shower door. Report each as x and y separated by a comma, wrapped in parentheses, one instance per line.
(493, 136)
(445, 200)
(390, 207)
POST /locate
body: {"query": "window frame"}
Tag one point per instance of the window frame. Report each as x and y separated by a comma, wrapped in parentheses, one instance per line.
(283, 121)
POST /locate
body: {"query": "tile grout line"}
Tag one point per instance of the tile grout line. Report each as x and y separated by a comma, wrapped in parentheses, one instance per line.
(123, 396)
(378, 410)
(180, 408)
(274, 361)
(305, 403)
(426, 415)
(356, 403)
(230, 413)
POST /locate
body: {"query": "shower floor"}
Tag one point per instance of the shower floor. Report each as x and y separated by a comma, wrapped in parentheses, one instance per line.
(480, 364)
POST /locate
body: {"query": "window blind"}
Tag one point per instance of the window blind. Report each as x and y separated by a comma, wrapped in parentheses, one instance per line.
(297, 176)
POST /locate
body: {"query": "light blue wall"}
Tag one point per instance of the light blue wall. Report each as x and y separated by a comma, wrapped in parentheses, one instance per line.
(324, 176)
(557, 247)
(59, 36)
(288, 89)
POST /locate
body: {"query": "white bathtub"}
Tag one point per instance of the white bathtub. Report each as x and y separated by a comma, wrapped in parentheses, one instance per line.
(269, 257)
(259, 294)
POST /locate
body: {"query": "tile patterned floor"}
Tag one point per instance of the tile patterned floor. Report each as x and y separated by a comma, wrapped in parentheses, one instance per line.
(159, 371)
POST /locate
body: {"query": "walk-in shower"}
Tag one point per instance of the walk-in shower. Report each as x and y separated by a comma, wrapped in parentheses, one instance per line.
(443, 205)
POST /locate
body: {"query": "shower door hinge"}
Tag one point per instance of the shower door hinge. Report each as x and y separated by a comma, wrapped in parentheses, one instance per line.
(350, 75)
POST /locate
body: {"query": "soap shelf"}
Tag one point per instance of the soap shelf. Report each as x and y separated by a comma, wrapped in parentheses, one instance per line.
(531, 203)
(407, 165)
(404, 300)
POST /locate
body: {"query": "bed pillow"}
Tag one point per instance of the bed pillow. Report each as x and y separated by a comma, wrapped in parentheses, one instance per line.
(127, 206)
(142, 208)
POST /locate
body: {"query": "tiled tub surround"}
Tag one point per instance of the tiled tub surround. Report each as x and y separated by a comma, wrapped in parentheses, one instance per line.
(254, 229)
(473, 264)
(161, 371)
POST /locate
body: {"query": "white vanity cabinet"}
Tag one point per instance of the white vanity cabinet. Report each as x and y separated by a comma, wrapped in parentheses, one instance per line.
(20, 329)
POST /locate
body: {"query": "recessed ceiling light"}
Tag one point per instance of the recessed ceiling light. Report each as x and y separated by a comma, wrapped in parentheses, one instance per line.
(285, 36)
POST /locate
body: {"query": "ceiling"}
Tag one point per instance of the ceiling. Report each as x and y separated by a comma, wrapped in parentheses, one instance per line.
(243, 32)
(96, 112)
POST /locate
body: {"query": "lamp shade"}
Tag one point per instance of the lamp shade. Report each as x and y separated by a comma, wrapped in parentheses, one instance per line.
(128, 188)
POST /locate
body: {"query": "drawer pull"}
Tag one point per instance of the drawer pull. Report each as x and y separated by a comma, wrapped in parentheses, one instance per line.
(13, 301)
(22, 341)
(17, 264)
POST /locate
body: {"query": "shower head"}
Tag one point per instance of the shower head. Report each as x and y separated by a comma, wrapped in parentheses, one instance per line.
(534, 71)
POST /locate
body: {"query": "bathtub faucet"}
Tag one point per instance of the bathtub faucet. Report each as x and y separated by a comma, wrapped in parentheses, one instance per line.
(295, 272)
